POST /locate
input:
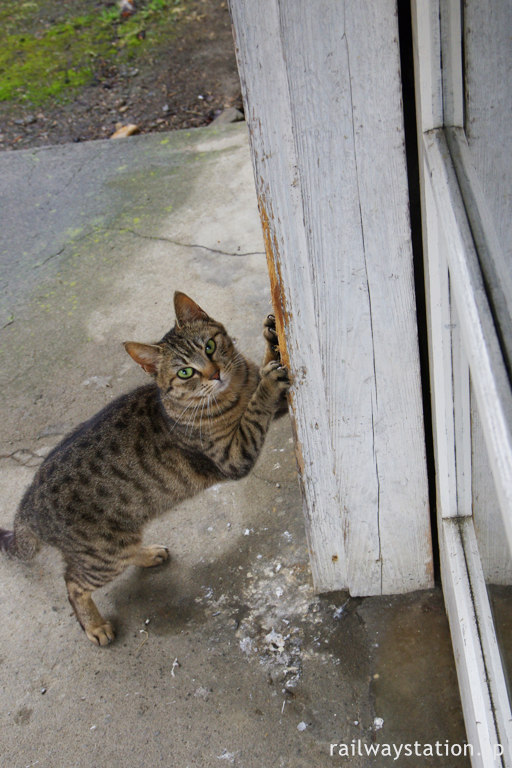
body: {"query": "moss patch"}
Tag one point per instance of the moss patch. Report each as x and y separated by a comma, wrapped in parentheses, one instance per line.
(48, 50)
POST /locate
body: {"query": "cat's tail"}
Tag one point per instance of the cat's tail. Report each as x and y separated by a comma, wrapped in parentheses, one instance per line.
(21, 543)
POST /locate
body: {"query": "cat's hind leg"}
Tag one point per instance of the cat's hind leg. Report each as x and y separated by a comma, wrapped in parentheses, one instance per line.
(84, 576)
(148, 557)
(97, 629)
(86, 573)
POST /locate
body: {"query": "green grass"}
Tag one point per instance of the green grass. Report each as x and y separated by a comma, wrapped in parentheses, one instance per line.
(41, 60)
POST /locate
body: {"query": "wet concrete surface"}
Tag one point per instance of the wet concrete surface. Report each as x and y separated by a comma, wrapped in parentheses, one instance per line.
(225, 656)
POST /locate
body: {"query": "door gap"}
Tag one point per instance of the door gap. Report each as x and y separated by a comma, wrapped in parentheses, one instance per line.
(413, 178)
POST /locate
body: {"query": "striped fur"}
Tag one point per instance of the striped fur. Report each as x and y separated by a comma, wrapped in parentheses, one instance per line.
(147, 451)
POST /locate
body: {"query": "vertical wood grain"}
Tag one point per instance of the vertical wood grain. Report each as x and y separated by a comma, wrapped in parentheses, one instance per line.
(263, 71)
(321, 84)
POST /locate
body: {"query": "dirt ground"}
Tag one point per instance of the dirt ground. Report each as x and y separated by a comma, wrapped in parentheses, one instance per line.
(184, 83)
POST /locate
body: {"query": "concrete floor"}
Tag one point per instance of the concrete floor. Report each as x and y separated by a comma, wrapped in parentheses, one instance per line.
(225, 656)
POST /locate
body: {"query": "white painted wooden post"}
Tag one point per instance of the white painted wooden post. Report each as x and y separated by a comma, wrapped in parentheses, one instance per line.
(322, 93)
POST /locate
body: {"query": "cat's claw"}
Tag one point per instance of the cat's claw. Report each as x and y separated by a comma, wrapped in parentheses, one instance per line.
(149, 557)
(269, 329)
(102, 635)
(270, 336)
(277, 373)
(160, 554)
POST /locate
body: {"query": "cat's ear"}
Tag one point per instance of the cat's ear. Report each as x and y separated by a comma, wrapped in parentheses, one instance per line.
(187, 311)
(148, 356)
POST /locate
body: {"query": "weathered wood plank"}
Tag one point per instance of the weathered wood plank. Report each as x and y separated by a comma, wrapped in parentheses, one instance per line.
(262, 67)
(323, 104)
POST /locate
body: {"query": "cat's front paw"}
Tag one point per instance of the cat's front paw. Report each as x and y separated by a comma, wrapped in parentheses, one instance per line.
(270, 336)
(275, 375)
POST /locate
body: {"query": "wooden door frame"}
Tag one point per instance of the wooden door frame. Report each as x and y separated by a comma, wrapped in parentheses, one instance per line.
(467, 369)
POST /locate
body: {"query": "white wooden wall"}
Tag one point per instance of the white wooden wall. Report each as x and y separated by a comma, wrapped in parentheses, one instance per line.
(322, 93)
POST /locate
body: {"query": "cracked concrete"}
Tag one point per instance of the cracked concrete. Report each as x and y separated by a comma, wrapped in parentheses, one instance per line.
(226, 655)
(145, 236)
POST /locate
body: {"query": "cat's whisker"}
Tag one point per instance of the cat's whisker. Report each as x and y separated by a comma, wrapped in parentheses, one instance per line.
(208, 415)
(178, 419)
(193, 419)
(210, 412)
(235, 363)
(216, 403)
(203, 403)
(190, 418)
(235, 360)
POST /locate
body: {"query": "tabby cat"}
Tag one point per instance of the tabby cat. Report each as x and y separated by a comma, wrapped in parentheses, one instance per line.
(202, 419)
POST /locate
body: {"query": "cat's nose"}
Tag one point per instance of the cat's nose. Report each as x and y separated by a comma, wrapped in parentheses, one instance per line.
(215, 375)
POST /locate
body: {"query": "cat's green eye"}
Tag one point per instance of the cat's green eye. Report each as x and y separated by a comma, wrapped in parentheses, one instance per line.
(185, 373)
(210, 347)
